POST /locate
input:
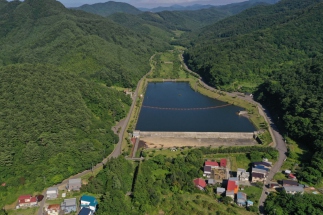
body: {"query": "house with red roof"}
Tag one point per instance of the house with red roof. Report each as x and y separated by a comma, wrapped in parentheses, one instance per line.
(233, 186)
(223, 162)
(291, 176)
(199, 183)
(27, 201)
(53, 209)
(212, 164)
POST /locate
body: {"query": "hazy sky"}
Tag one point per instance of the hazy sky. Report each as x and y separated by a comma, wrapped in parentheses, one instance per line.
(150, 3)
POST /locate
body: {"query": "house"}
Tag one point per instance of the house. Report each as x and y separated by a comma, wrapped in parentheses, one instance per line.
(53, 209)
(229, 194)
(223, 162)
(85, 211)
(210, 182)
(249, 203)
(207, 170)
(220, 190)
(255, 177)
(261, 163)
(74, 184)
(294, 189)
(243, 175)
(241, 199)
(89, 202)
(262, 167)
(291, 176)
(257, 170)
(233, 186)
(27, 201)
(199, 183)
(287, 183)
(212, 164)
(69, 205)
(52, 193)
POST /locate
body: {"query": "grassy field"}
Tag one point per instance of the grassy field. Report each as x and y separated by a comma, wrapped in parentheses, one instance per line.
(237, 160)
(253, 193)
(27, 211)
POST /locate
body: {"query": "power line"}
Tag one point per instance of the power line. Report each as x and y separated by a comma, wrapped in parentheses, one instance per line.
(185, 109)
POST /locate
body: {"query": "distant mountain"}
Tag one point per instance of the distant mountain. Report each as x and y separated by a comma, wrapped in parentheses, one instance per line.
(176, 8)
(108, 8)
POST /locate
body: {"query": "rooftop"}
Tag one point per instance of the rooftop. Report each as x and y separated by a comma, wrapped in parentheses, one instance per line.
(85, 211)
(290, 182)
(258, 175)
(199, 182)
(211, 163)
(69, 202)
(75, 181)
(207, 168)
(294, 189)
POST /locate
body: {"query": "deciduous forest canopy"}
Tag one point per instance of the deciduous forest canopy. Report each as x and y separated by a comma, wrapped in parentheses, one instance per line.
(57, 106)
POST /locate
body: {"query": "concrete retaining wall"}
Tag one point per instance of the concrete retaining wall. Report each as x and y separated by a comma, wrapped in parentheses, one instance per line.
(199, 135)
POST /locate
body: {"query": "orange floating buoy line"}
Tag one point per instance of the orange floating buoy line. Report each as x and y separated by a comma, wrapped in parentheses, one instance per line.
(201, 108)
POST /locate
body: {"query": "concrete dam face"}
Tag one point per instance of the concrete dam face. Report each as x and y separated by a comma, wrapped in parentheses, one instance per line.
(196, 139)
(225, 135)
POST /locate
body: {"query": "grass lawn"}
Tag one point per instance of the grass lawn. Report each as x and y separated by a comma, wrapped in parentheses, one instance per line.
(28, 211)
(165, 152)
(206, 202)
(253, 193)
(237, 160)
(279, 176)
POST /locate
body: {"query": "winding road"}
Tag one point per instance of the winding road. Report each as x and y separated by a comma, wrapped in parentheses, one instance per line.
(278, 139)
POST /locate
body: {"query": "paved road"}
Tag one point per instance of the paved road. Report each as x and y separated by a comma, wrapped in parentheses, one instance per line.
(278, 140)
(121, 127)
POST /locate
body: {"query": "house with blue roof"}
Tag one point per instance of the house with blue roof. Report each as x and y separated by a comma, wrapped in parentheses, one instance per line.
(261, 167)
(241, 199)
(86, 211)
(249, 203)
(88, 202)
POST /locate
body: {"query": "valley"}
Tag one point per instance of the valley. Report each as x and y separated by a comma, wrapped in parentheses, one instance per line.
(75, 83)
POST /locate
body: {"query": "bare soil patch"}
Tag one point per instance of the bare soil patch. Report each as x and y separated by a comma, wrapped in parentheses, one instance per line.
(169, 142)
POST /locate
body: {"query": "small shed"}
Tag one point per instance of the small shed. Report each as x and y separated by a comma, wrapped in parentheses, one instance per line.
(223, 162)
(210, 182)
(287, 172)
(249, 203)
(220, 190)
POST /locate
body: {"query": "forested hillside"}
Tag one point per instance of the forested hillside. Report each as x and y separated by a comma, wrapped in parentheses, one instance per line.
(249, 58)
(56, 107)
(43, 31)
(53, 125)
(108, 8)
(298, 94)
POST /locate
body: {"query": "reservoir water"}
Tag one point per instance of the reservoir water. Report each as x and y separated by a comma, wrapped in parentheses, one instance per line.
(173, 106)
